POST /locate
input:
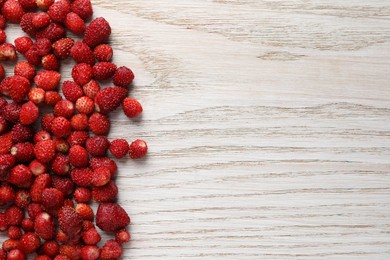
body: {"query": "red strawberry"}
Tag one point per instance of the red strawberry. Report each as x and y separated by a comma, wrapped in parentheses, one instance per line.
(78, 156)
(109, 99)
(64, 184)
(32, 56)
(36, 95)
(90, 252)
(43, 46)
(5, 144)
(74, 23)
(7, 161)
(97, 162)
(7, 52)
(14, 216)
(23, 152)
(40, 183)
(28, 4)
(81, 53)
(29, 242)
(81, 176)
(99, 124)
(82, 73)
(91, 236)
(21, 176)
(44, 226)
(53, 32)
(111, 250)
(103, 52)
(91, 89)
(101, 176)
(19, 88)
(41, 20)
(24, 69)
(37, 168)
(71, 251)
(33, 209)
(82, 195)
(27, 223)
(11, 112)
(44, 4)
(97, 145)
(122, 236)
(106, 193)
(123, 77)
(64, 108)
(85, 105)
(52, 98)
(51, 248)
(83, 8)
(47, 79)
(52, 198)
(4, 125)
(10, 245)
(58, 10)
(46, 122)
(45, 151)
(50, 62)
(41, 135)
(29, 113)
(14, 232)
(62, 145)
(103, 70)
(61, 48)
(60, 164)
(70, 223)
(23, 44)
(119, 148)
(12, 10)
(97, 32)
(60, 127)
(131, 107)
(72, 91)
(85, 211)
(7, 195)
(15, 254)
(138, 149)
(78, 138)
(3, 36)
(27, 25)
(79, 122)
(22, 133)
(111, 217)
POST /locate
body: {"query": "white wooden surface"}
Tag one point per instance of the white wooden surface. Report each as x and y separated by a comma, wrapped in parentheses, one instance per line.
(268, 124)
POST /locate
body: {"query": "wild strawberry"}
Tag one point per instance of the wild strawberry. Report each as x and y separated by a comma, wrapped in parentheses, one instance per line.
(109, 99)
(99, 124)
(122, 236)
(90, 253)
(14, 216)
(138, 149)
(97, 145)
(60, 127)
(14, 232)
(61, 145)
(44, 226)
(83, 8)
(27, 224)
(15, 254)
(29, 113)
(78, 138)
(51, 248)
(131, 107)
(81, 53)
(64, 108)
(97, 32)
(61, 48)
(32, 56)
(45, 151)
(53, 32)
(78, 156)
(23, 152)
(61, 237)
(24, 69)
(22, 198)
(85, 211)
(5, 144)
(87, 225)
(72, 91)
(10, 244)
(60, 164)
(85, 105)
(47, 79)
(71, 251)
(44, 46)
(23, 44)
(21, 176)
(21, 133)
(50, 62)
(103, 70)
(11, 112)
(37, 168)
(40, 183)
(7, 52)
(28, 4)
(44, 4)
(41, 135)
(103, 52)
(26, 24)
(74, 23)
(19, 88)
(58, 10)
(79, 122)
(82, 73)
(36, 95)
(41, 20)
(52, 198)
(70, 223)
(91, 89)
(3, 225)
(81, 176)
(100, 176)
(91, 236)
(29, 242)
(111, 250)
(46, 122)
(12, 10)
(106, 193)
(123, 77)
(52, 98)
(97, 162)
(82, 195)
(119, 148)
(7, 195)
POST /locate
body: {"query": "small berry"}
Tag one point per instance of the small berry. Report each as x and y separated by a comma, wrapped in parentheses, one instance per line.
(44, 226)
(29, 113)
(85, 105)
(14, 216)
(78, 138)
(37, 168)
(109, 99)
(16, 254)
(50, 62)
(29, 242)
(103, 52)
(58, 10)
(106, 193)
(64, 108)
(45, 151)
(103, 70)
(61, 48)
(82, 177)
(100, 176)
(79, 122)
(90, 253)
(52, 98)
(85, 211)
(119, 148)
(82, 195)
(97, 162)
(122, 236)
(60, 164)
(78, 156)
(82, 73)
(51, 248)
(70, 223)
(14, 232)
(36, 95)
(131, 107)
(41, 20)
(40, 183)
(74, 23)
(97, 145)
(22, 199)
(23, 44)
(7, 52)
(47, 79)
(111, 250)
(138, 149)
(99, 124)
(72, 91)
(13, 11)
(91, 236)
(123, 77)
(82, 53)
(24, 69)
(91, 89)
(97, 32)
(60, 127)
(83, 8)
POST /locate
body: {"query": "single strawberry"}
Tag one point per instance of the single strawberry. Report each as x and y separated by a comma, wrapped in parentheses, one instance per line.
(23, 44)
(78, 138)
(23, 152)
(99, 124)
(22, 133)
(90, 252)
(83, 8)
(71, 251)
(22, 198)
(119, 148)
(111, 250)
(97, 32)
(44, 226)
(14, 215)
(74, 23)
(5, 144)
(15, 254)
(3, 225)
(91, 237)
(7, 52)
(41, 20)
(111, 217)
(101, 176)
(82, 73)
(50, 62)
(46, 122)
(123, 77)
(79, 122)
(19, 88)
(58, 10)
(82, 195)
(64, 184)
(52, 98)
(14, 232)
(47, 79)
(37, 168)
(85, 211)
(97, 162)
(109, 99)
(36, 95)
(45, 151)
(131, 107)
(53, 32)
(64, 108)
(85, 105)
(60, 127)
(103, 52)
(61, 48)
(11, 112)
(72, 91)
(29, 242)
(33, 210)
(103, 70)
(21, 176)
(9, 245)
(26, 24)
(106, 193)
(61, 237)
(32, 56)
(40, 183)
(97, 145)
(44, 4)
(60, 164)
(81, 176)
(51, 248)
(29, 5)
(70, 223)
(138, 149)
(29, 113)
(81, 53)
(78, 156)
(91, 89)
(13, 11)
(122, 236)
(52, 198)
(44, 46)
(62, 146)
(7, 195)
(27, 223)
(24, 69)
(7, 161)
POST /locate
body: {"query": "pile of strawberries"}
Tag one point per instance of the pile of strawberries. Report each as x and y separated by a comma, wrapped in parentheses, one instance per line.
(54, 158)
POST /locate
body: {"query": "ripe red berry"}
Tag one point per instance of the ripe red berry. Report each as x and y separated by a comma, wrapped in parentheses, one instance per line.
(82, 195)
(91, 89)
(29, 242)
(91, 237)
(47, 79)
(90, 253)
(24, 69)
(111, 250)
(106, 193)
(82, 73)
(70, 223)
(61, 48)
(52, 98)
(23, 44)
(50, 62)
(103, 52)
(97, 145)
(64, 108)
(138, 149)
(78, 156)
(119, 148)
(44, 226)
(72, 91)
(109, 99)
(45, 151)
(13, 11)
(82, 53)
(123, 77)
(122, 236)
(99, 124)
(36, 95)
(60, 127)
(29, 113)
(97, 32)
(100, 176)
(85, 105)
(74, 23)
(83, 8)
(58, 10)
(79, 122)
(131, 107)
(82, 177)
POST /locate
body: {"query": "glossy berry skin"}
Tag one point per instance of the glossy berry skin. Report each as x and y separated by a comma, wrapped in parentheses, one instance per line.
(131, 107)
(138, 149)
(119, 148)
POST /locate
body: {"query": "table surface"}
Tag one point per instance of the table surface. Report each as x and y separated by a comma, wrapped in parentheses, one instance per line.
(268, 124)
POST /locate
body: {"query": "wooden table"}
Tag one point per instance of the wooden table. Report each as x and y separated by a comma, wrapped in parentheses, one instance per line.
(268, 124)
